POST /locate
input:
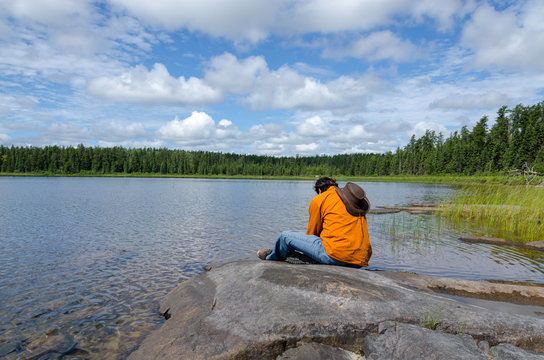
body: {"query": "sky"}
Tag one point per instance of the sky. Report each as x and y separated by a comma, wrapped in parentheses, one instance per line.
(278, 78)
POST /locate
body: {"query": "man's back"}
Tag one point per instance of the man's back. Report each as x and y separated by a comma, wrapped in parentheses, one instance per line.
(345, 237)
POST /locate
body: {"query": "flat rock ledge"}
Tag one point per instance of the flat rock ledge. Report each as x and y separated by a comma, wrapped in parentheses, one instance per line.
(532, 245)
(276, 310)
(412, 209)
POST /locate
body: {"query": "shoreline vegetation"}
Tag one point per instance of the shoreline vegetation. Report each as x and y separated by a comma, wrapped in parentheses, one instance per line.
(424, 179)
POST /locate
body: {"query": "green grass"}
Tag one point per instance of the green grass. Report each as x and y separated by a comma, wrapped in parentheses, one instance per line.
(511, 212)
(433, 317)
(403, 226)
(462, 329)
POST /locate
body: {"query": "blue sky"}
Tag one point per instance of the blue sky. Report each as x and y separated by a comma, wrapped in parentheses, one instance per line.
(278, 77)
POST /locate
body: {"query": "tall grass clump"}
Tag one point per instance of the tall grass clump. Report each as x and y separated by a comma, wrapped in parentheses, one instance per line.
(515, 213)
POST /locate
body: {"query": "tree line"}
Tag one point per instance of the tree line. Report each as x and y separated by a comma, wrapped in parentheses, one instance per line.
(515, 140)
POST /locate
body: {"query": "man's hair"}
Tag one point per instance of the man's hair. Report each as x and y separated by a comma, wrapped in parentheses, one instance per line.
(324, 183)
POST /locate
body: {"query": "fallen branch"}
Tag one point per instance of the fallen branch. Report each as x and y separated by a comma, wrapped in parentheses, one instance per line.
(527, 172)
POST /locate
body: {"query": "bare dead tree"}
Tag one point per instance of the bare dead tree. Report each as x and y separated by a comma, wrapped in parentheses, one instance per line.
(530, 176)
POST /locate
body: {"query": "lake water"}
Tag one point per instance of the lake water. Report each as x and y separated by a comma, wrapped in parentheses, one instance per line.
(84, 261)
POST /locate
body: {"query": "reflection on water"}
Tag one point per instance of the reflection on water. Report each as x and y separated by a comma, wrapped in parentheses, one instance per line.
(84, 261)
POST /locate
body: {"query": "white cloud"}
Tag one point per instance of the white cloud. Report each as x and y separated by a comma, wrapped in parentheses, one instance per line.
(381, 45)
(356, 133)
(226, 72)
(471, 101)
(280, 89)
(263, 131)
(383, 128)
(285, 88)
(58, 132)
(196, 128)
(305, 68)
(115, 131)
(225, 129)
(4, 109)
(67, 129)
(328, 17)
(361, 148)
(255, 20)
(48, 12)
(510, 39)
(26, 101)
(443, 12)
(61, 40)
(421, 127)
(10, 104)
(153, 87)
(133, 144)
(236, 19)
(266, 148)
(285, 138)
(4, 138)
(311, 148)
(312, 127)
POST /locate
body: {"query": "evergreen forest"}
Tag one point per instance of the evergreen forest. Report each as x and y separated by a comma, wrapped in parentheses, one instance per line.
(515, 141)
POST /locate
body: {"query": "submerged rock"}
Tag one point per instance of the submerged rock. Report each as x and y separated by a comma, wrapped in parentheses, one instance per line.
(413, 209)
(533, 245)
(267, 309)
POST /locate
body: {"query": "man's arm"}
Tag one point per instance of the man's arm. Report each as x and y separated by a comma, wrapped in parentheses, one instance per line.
(315, 223)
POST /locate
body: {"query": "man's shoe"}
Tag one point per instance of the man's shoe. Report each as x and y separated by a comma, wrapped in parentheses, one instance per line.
(262, 254)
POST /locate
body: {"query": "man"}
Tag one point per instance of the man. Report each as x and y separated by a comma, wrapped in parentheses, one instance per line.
(337, 232)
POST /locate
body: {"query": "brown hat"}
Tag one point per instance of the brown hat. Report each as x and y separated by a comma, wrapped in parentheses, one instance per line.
(354, 197)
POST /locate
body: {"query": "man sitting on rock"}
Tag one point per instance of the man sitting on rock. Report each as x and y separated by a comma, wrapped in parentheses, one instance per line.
(337, 232)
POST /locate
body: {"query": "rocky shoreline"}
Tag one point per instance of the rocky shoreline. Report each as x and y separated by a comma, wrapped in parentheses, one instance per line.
(277, 310)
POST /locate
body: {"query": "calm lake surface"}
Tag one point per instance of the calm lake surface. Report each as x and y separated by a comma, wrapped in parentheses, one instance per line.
(84, 261)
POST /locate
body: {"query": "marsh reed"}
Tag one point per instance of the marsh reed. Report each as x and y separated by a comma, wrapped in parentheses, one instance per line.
(512, 212)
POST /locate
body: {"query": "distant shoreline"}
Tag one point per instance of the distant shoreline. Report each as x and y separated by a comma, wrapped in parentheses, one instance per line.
(427, 179)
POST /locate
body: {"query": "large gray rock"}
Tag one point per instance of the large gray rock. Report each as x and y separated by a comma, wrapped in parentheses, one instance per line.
(261, 309)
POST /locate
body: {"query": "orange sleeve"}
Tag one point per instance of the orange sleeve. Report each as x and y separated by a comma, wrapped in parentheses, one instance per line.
(315, 223)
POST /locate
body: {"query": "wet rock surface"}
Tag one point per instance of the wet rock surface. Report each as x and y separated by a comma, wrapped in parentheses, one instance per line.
(511, 293)
(533, 245)
(276, 310)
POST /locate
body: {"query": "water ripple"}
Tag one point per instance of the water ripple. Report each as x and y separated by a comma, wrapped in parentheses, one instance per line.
(83, 261)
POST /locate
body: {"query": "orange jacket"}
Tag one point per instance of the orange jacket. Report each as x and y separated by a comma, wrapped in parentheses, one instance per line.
(345, 237)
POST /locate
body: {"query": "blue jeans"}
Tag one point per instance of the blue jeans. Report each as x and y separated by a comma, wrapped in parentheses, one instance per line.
(310, 245)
